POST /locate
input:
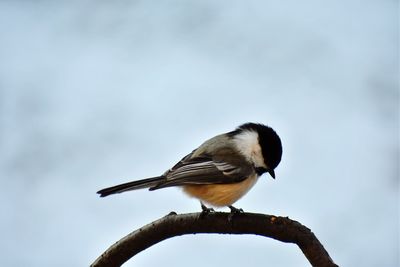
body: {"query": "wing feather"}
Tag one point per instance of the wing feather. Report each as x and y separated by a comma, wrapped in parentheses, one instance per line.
(204, 170)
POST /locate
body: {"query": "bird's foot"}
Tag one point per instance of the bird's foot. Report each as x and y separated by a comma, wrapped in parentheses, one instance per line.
(205, 210)
(233, 212)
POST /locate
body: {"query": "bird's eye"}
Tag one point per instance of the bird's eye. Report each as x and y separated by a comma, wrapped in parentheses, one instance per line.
(260, 170)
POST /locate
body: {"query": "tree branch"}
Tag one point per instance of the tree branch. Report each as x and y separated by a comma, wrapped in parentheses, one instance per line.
(279, 228)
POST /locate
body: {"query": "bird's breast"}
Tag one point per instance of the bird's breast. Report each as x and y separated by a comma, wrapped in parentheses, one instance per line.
(220, 195)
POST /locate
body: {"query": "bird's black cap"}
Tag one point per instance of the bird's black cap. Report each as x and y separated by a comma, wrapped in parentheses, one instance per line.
(271, 145)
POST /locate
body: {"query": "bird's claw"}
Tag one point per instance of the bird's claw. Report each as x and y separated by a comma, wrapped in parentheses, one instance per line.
(235, 210)
(205, 210)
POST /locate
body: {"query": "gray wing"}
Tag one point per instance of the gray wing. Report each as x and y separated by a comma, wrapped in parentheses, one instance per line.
(204, 170)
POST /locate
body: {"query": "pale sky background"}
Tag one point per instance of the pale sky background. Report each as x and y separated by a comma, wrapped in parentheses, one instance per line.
(95, 93)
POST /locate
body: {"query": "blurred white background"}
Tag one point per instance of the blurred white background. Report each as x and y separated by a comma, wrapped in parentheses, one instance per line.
(95, 93)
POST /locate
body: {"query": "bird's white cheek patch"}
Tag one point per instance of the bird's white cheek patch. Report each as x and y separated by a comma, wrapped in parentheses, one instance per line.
(247, 144)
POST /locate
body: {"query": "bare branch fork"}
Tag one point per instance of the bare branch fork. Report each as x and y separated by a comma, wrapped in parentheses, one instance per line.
(279, 228)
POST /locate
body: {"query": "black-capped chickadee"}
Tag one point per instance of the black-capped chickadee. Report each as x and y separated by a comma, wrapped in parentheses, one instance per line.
(222, 169)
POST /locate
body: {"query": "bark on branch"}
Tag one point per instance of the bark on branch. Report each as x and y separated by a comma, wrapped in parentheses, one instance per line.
(279, 228)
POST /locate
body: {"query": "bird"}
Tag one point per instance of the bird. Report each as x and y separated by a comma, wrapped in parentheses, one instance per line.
(221, 170)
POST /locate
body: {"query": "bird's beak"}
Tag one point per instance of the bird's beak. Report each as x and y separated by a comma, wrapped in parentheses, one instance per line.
(272, 173)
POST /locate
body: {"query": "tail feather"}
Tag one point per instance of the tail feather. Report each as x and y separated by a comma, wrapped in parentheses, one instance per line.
(140, 184)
